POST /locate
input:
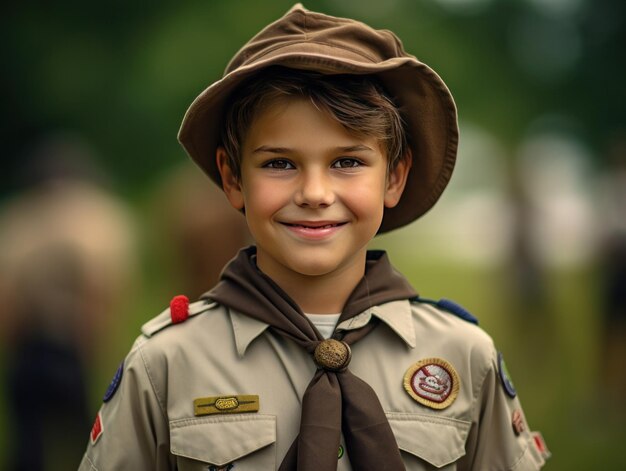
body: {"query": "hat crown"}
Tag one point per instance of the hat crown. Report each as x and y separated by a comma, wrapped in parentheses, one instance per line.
(307, 28)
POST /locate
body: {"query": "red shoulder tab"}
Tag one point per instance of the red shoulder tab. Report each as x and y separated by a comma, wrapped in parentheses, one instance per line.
(96, 430)
(179, 308)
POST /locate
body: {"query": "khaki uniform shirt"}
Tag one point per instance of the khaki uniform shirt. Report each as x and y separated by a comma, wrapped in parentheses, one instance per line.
(149, 423)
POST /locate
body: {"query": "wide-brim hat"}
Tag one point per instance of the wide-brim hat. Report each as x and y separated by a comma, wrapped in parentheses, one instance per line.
(307, 40)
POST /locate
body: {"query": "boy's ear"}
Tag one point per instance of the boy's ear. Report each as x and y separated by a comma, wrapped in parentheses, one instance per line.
(396, 180)
(230, 183)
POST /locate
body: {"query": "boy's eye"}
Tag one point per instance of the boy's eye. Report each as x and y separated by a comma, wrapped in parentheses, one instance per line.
(346, 163)
(280, 164)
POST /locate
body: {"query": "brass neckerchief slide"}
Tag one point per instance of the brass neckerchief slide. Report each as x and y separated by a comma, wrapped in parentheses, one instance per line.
(332, 355)
(236, 404)
(335, 400)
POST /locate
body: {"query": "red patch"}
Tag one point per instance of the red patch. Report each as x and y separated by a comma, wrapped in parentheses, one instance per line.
(179, 309)
(96, 430)
(541, 445)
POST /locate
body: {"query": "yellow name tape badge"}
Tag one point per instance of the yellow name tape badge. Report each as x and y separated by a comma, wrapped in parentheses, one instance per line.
(226, 404)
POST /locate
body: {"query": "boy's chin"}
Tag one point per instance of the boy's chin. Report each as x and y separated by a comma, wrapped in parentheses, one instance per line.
(311, 262)
(317, 266)
(316, 270)
(312, 268)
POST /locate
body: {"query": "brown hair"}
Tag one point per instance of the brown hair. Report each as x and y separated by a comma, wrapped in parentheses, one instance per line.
(357, 102)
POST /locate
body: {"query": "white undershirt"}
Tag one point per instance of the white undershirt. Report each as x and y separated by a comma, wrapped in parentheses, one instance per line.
(325, 323)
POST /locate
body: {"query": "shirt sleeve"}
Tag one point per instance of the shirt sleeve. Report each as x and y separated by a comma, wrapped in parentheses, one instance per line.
(500, 438)
(131, 429)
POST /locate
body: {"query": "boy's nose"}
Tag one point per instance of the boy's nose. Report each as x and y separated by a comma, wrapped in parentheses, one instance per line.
(315, 190)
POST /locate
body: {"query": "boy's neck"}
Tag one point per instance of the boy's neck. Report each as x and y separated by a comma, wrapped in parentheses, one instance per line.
(319, 294)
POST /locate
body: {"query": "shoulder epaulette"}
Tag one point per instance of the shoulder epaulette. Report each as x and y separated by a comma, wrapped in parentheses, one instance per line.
(449, 306)
(179, 311)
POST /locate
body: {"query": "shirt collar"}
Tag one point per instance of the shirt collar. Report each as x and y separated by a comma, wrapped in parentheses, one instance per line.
(245, 329)
(396, 314)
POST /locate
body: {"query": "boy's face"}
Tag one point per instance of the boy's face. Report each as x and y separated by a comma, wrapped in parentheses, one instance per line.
(313, 193)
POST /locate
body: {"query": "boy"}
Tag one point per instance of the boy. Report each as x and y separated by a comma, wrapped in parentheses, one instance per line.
(323, 132)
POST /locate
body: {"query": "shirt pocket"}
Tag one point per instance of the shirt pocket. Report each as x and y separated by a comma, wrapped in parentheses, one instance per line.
(214, 443)
(429, 442)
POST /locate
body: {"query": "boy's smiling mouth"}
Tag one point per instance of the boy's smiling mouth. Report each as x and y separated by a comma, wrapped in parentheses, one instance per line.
(316, 230)
(314, 224)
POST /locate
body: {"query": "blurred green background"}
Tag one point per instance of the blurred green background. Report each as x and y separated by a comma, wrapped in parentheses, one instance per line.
(539, 88)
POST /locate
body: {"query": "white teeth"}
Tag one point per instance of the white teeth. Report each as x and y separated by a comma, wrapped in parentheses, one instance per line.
(315, 227)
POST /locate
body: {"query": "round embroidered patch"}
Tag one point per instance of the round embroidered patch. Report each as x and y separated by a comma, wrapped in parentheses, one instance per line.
(432, 382)
(505, 377)
(115, 382)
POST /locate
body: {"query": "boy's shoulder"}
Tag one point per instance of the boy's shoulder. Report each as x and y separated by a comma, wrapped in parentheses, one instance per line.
(185, 326)
(179, 324)
(179, 311)
(448, 306)
(448, 322)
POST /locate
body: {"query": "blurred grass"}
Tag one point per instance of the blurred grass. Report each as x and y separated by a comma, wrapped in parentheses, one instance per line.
(552, 350)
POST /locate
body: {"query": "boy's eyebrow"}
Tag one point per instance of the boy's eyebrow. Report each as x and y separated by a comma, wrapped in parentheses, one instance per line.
(285, 150)
(271, 150)
(355, 148)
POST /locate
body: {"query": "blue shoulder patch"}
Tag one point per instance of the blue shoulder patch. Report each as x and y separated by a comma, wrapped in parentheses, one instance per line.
(115, 383)
(451, 307)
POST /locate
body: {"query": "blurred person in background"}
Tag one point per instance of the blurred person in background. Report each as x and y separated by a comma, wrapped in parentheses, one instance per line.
(66, 256)
(613, 274)
(202, 229)
(527, 269)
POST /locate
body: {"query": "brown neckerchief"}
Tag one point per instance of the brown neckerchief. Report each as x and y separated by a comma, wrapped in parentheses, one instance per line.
(333, 401)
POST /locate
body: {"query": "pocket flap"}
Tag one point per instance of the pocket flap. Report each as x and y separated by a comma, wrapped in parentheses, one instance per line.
(437, 440)
(221, 439)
